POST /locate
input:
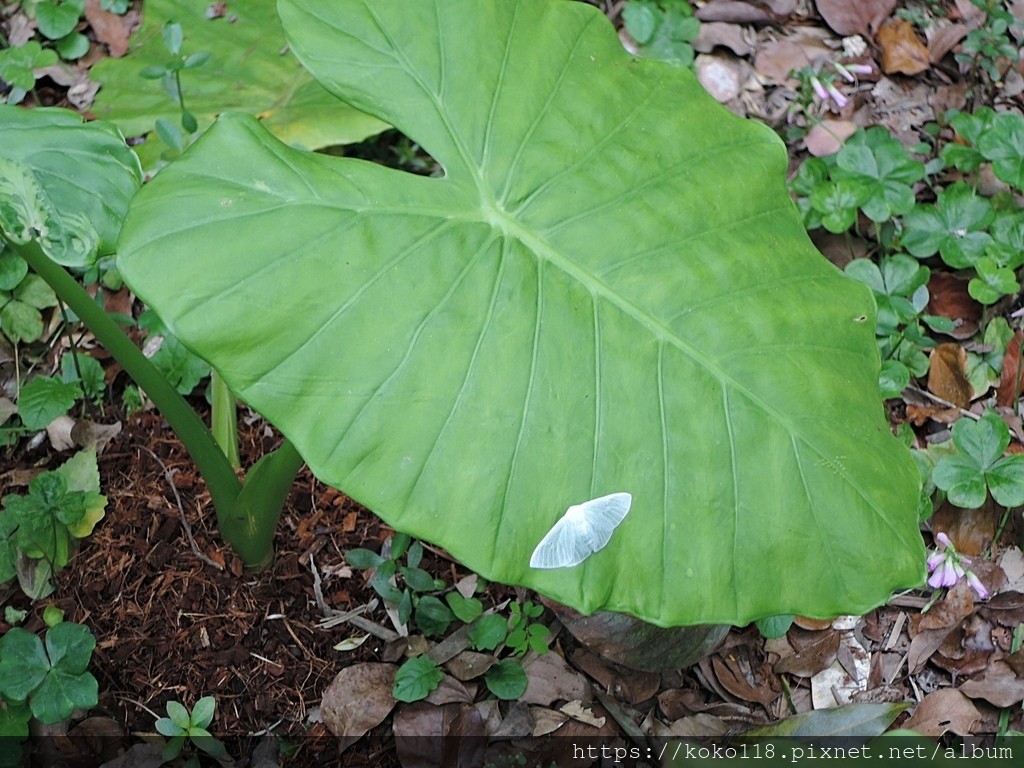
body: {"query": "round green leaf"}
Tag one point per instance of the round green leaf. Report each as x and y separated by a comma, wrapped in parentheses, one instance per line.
(13, 269)
(983, 440)
(609, 290)
(466, 609)
(774, 626)
(506, 679)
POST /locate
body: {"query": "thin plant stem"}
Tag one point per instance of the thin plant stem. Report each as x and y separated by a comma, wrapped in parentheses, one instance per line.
(216, 470)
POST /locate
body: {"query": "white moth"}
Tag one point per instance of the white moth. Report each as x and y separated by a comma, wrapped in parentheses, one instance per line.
(583, 530)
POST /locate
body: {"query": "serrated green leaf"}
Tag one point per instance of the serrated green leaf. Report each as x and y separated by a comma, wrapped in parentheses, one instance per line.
(432, 616)
(416, 678)
(488, 632)
(42, 400)
(465, 609)
(20, 322)
(580, 250)
(506, 679)
(34, 291)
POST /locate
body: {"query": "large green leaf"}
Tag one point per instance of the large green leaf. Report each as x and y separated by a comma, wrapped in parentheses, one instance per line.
(61, 196)
(609, 291)
(249, 70)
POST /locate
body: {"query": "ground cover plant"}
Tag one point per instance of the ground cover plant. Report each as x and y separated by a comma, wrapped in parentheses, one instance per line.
(492, 320)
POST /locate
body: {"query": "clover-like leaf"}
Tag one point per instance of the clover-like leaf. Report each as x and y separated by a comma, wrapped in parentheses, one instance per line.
(1003, 145)
(981, 464)
(954, 227)
(608, 291)
(970, 127)
(885, 169)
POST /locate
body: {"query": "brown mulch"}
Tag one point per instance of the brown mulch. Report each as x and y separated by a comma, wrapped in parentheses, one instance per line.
(172, 627)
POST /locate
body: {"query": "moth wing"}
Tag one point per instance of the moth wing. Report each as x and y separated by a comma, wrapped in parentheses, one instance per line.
(565, 545)
(602, 516)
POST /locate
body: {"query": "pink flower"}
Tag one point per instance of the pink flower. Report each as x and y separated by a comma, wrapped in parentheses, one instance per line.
(943, 576)
(860, 69)
(977, 586)
(835, 94)
(819, 89)
(845, 73)
(946, 567)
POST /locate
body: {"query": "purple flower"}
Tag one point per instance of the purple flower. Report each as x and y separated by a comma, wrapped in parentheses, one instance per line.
(944, 541)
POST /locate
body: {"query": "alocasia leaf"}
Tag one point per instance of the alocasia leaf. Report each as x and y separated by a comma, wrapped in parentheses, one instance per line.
(249, 70)
(608, 291)
(89, 201)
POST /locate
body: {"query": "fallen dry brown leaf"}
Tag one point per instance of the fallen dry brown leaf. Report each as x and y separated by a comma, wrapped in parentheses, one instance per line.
(902, 52)
(1011, 380)
(944, 710)
(947, 375)
(855, 17)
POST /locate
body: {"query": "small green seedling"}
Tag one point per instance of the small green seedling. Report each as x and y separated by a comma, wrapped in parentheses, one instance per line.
(527, 635)
(170, 74)
(662, 29)
(40, 531)
(432, 616)
(980, 467)
(181, 727)
(990, 49)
